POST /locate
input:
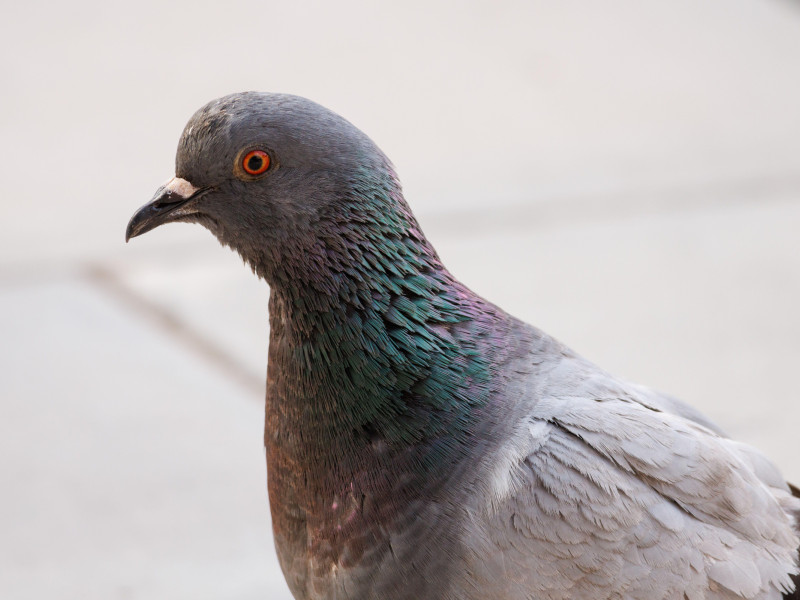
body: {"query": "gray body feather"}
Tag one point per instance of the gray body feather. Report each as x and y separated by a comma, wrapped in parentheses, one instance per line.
(606, 490)
(596, 489)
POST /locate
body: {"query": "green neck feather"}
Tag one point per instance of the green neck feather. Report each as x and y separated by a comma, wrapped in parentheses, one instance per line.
(374, 344)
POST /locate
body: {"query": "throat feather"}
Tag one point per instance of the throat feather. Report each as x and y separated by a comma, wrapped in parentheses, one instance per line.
(401, 368)
(377, 354)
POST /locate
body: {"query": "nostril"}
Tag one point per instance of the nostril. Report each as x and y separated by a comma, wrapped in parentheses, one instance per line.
(167, 198)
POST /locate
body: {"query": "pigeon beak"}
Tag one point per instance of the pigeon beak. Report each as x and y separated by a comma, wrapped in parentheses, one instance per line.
(166, 202)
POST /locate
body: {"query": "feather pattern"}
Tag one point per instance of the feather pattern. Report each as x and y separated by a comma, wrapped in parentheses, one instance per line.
(614, 499)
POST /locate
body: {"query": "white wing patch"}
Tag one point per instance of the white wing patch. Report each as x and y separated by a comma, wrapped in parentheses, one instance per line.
(506, 473)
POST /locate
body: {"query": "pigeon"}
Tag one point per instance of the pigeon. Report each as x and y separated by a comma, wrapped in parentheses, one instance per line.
(421, 443)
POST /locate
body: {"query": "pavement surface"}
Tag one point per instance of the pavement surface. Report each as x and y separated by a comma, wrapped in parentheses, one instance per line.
(623, 174)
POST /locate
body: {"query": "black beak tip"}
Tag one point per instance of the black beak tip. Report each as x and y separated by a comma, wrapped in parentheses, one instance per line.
(153, 214)
(135, 225)
(158, 210)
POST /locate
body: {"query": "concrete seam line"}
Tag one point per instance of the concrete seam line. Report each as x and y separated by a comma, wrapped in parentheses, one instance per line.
(167, 321)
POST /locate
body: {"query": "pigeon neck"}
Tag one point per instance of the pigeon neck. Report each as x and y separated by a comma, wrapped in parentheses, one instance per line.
(379, 357)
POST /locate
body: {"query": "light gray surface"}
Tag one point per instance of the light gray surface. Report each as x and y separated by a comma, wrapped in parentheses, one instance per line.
(131, 469)
(624, 174)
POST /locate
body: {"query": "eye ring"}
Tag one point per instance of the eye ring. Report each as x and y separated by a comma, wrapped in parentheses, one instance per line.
(256, 162)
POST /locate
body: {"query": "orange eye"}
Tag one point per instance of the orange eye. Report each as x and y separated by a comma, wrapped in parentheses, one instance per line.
(255, 162)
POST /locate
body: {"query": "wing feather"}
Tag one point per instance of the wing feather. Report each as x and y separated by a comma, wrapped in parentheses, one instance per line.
(614, 498)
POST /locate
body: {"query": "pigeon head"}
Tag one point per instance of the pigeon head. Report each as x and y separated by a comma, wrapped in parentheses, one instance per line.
(276, 177)
(365, 321)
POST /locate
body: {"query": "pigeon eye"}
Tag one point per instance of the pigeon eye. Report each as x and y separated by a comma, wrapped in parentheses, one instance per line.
(255, 162)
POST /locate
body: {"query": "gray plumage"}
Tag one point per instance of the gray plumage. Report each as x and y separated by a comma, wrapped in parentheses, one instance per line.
(422, 443)
(604, 489)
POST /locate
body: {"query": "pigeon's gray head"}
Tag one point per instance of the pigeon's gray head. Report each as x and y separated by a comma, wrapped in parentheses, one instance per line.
(272, 175)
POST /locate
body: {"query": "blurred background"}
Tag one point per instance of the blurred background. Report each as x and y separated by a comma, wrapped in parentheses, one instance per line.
(623, 173)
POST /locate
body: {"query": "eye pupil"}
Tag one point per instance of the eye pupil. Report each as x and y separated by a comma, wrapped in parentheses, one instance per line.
(255, 162)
